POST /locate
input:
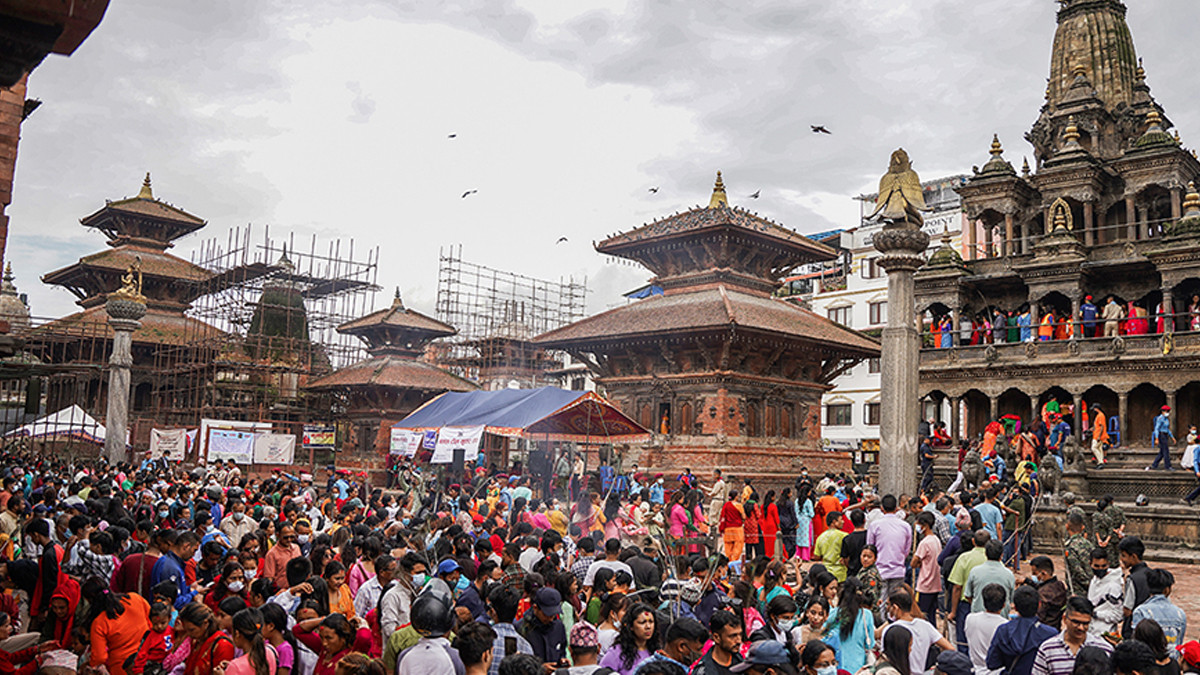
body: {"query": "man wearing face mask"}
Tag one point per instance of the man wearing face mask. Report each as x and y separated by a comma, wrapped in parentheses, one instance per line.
(1106, 592)
(236, 525)
(684, 641)
(397, 601)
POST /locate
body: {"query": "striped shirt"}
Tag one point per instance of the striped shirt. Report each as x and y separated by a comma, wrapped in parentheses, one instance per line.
(1054, 657)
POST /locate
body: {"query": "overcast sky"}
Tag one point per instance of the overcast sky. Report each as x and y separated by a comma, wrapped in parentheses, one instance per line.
(312, 118)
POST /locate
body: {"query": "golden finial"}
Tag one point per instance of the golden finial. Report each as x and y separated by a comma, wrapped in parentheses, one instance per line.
(146, 192)
(1141, 72)
(1063, 220)
(1191, 202)
(718, 195)
(1025, 167)
(397, 303)
(997, 149)
(1178, 140)
(1153, 119)
(1071, 135)
(1079, 71)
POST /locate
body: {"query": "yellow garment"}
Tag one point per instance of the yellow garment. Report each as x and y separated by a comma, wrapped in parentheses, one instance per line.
(558, 521)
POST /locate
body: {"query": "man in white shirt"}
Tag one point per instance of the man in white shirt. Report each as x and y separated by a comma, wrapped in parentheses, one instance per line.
(900, 605)
(368, 594)
(530, 555)
(612, 549)
(981, 626)
(1106, 592)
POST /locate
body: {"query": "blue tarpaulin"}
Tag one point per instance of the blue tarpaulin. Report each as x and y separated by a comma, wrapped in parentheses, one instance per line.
(557, 414)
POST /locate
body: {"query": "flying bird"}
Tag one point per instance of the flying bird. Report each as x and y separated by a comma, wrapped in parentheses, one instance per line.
(755, 195)
(452, 136)
(820, 129)
(654, 189)
(560, 240)
(469, 192)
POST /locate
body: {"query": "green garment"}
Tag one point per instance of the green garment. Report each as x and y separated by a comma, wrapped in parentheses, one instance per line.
(1078, 553)
(398, 641)
(872, 585)
(965, 563)
(829, 549)
(1014, 333)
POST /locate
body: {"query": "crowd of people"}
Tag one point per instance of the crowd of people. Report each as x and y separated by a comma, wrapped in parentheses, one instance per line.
(1106, 319)
(148, 569)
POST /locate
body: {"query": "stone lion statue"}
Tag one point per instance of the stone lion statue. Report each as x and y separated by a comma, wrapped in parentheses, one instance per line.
(1073, 459)
(973, 470)
(1049, 475)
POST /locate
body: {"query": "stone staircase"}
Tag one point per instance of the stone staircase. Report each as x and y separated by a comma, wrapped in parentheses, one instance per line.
(1124, 476)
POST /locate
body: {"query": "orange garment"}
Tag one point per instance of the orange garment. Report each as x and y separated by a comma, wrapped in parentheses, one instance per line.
(344, 603)
(115, 640)
(1062, 330)
(825, 506)
(1100, 428)
(1046, 330)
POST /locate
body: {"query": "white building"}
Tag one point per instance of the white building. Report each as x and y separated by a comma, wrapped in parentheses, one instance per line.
(850, 411)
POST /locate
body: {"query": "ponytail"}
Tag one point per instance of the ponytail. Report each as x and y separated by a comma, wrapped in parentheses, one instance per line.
(198, 614)
(248, 623)
(357, 663)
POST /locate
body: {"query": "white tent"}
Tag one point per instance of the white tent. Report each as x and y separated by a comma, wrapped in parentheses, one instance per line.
(72, 422)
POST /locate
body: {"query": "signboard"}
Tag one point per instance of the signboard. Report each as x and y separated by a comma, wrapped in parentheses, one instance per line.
(406, 442)
(319, 437)
(207, 426)
(450, 439)
(226, 444)
(430, 440)
(274, 448)
(169, 443)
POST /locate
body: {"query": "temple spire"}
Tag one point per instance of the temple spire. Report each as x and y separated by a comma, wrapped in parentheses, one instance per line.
(146, 192)
(397, 303)
(718, 196)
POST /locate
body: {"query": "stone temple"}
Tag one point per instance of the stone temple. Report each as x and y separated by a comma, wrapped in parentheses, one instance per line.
(726, 375)
(1108, 210)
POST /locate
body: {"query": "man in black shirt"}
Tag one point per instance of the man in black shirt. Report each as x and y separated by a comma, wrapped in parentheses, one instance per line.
(853, 543)
(727, 640)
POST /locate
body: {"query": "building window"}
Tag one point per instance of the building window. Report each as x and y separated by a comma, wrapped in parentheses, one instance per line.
(877, 313)
(838, 415)
(840, 315)
(873, 414)
(871, 268)
(873, 366)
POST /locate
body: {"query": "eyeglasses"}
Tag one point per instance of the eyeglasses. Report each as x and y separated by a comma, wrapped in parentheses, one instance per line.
(1082, 624)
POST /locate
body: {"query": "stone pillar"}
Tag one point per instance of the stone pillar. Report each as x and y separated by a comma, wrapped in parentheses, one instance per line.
(1034, 410)
(969, 236)
(1009, 234)
(956, 338)
(1035, 318)
(124, 314)
(1130, 217)
(955, 402)
(987, 240)
(1168, 305)
(1174, 413)
(1176, 204)
(1089, 223)
(1122, 410)
(994, 401)
(902, 244)
(1076, 325)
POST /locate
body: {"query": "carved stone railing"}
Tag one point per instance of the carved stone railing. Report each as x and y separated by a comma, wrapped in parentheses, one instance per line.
(1089, 350)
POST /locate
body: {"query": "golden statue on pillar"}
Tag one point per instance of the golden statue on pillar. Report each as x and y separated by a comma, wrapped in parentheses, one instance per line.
(131, 281)
(900, 196)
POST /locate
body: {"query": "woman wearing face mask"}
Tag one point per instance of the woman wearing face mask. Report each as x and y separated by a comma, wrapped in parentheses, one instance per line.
(818, 658)
(781, 619)
(636, 640)
(611, 613)
(232, 581)
(850, 629)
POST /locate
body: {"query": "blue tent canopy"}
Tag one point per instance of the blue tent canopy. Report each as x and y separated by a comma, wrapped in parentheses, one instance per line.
(562, 414)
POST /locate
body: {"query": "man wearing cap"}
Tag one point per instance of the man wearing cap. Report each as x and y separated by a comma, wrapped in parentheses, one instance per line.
(954, 663)
(544, 628)
(585, 649)
(1163, 438)
(1088, 313)
(766, 657)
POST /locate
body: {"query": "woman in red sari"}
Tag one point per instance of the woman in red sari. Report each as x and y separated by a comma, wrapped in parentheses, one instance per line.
(753, 537)
(769, 524)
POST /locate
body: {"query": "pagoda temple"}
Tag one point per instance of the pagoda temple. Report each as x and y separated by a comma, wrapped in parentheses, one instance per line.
(393, 382)
(727, 375)
(140, 230)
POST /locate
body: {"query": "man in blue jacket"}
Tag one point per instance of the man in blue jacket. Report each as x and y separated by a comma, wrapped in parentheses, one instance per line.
(170, 567)
(1015, 644)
